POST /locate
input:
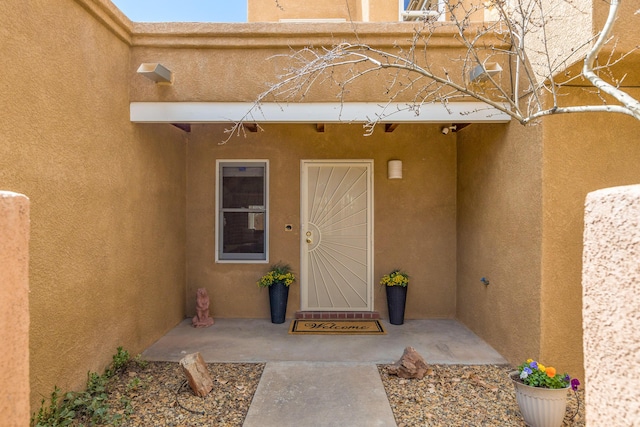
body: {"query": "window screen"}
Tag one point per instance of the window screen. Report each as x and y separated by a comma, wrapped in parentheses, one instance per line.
(242, 211)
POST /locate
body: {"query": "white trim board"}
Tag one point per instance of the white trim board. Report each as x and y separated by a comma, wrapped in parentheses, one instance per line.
(314, 112)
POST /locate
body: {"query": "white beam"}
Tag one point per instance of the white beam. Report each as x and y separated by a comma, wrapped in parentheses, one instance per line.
(314, 112)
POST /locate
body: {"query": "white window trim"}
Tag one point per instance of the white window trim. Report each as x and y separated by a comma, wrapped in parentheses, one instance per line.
(217, 234)
(441, 10)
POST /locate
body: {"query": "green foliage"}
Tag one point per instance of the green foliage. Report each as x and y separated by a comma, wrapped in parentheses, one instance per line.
(535, 374)
(54, 415)
(126, 404)
(138, 360)
(120, 360)
(89, 406)
(134, 384)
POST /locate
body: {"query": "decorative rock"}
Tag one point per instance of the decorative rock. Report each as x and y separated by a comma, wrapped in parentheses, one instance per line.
(202, 319)
(197, 374)
(410, 365)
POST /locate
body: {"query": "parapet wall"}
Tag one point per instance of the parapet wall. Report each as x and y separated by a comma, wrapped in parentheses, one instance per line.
(611, 307)
(14, 309)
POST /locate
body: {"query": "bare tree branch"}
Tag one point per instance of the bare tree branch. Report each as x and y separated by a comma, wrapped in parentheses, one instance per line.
(631, 105)
(537, 66)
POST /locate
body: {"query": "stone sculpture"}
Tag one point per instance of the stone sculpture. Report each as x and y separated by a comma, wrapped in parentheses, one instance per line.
(202, 319)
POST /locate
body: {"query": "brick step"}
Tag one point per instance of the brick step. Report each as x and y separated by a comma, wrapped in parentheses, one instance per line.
(324, 315)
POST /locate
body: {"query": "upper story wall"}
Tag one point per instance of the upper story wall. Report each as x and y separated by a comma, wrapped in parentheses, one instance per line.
(348, 10)
(625, 39)
(274, 11)
(237, 62)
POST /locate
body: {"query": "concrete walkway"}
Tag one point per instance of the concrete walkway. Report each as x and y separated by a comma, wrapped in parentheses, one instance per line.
(320, 394)
(321, 380)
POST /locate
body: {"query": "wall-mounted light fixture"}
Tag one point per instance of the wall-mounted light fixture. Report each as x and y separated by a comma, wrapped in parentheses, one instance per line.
(394, 169)
(481, 72)
(156, 72)
(446, 129)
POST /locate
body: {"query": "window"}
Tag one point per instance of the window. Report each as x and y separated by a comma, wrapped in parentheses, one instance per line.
(415, 10)
(241, 220)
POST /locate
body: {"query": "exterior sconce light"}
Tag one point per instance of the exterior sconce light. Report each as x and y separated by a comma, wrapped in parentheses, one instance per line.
(156, 72)
(446, 129)
(481, 72)
(394, 169)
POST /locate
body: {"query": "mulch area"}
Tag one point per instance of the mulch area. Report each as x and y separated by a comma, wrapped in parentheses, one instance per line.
(450, 395)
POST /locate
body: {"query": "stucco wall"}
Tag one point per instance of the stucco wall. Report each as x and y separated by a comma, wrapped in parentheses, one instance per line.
(271, 11)
(520, 207)
(205, 61)
(351, 10)
(624, 40)
(107, 197)
(14, 309)
(582, 153)
(414, 218)
(499, 222)
(554, 44)
(611, 308)
(238, 62)
(625, 26)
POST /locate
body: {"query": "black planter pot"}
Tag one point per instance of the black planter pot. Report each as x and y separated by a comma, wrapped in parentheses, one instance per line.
(278, 295)
(396, 300)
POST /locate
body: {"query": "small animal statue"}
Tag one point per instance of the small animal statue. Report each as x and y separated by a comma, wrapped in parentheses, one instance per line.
(202, 319)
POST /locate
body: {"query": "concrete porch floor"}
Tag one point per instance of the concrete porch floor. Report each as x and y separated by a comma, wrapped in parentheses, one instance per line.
(321, 380)
(439, 341)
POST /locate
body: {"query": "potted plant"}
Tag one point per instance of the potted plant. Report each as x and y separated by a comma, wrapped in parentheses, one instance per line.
(541, 393)
(396, 284)
(278, 280)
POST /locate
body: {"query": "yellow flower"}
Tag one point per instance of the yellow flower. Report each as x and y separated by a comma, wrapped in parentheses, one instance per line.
(529, 360)
(541, 367)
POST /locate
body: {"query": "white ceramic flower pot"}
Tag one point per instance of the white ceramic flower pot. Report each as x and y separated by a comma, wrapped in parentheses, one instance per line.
(541, 407)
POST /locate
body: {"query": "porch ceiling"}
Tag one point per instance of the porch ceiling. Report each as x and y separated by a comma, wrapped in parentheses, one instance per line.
(314, 112)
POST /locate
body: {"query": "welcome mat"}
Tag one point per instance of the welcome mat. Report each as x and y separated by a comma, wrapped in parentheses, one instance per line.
(341, 327)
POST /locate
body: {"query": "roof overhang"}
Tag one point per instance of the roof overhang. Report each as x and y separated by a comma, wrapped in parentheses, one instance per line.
(314, 112)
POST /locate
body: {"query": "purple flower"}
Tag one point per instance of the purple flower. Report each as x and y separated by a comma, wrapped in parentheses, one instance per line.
(526, 371)
(567, 377)
(534, 364)
(575, 384)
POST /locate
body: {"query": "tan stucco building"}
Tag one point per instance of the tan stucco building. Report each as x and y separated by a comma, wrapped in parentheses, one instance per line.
(125, 218)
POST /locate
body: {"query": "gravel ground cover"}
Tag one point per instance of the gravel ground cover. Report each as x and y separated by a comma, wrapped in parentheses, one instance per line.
(157, 395)
(450, 395)
(461, 395)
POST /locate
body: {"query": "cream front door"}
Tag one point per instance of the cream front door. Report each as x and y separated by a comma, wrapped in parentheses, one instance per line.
(337, 235)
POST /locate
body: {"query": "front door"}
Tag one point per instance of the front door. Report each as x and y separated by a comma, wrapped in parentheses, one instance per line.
(337, 235)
